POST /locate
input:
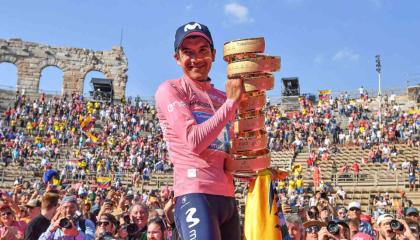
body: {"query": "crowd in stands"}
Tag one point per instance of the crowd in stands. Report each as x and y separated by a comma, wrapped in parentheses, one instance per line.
(72, 141)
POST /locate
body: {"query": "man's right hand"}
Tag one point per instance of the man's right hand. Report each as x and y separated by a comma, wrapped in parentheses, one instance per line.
(55, 225)
(234, 89)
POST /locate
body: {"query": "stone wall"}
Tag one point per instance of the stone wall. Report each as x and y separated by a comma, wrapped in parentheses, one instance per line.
(31, 58)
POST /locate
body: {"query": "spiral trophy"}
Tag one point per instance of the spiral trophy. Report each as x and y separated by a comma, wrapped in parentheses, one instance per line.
(249, 138)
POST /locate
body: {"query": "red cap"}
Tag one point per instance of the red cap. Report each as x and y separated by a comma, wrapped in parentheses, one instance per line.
(361, 236)
(365, 218)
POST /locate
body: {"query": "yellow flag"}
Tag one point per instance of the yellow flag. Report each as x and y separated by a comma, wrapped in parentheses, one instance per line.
(55, 182)
(261, 219)
(92, 137)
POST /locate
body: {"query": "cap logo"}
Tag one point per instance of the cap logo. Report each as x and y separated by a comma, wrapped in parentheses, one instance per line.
(191, 27)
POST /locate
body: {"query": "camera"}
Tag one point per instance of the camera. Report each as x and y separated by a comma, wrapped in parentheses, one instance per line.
(294, 209)
(131, 228)
(396, 225)
(312, 214)
(66, 223)
(106, 236)
(333, 228)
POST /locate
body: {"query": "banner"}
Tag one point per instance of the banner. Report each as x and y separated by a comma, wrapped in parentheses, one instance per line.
(261, 214)
(103, 182)
(92, 137)
(86, 124)
(325, 92)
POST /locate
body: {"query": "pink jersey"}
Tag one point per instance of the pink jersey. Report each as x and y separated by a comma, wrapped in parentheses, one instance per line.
(195, 120)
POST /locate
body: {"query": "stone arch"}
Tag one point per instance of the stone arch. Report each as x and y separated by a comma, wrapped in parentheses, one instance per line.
(42, 88)
(30, 58)
(8, 58)
(7, 69)
(86, 80)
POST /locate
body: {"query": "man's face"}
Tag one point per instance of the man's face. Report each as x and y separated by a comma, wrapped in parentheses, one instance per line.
(98, 200)
(354, 213)
(413, 216)
(69, 209)
(154, 232)
(139, 216)
(342, 213)
(34, 211)
(324, 214)
(385, 230)
(195, 57)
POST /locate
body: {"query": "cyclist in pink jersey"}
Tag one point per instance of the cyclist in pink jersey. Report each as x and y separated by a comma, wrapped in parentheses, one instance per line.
(195, 117)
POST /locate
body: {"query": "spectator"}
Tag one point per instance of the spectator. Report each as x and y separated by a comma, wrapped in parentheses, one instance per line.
(79, 228)
(354, 213)
(356, 169)
(107, 227)
(40, 223)
(139, 214)
(312, 229)
(412, 170)
(342, 233)
(412, 213)
(385, 231)
(295, 226)
(10, 228)
(155, 229)
(341, 213)
(33, 207)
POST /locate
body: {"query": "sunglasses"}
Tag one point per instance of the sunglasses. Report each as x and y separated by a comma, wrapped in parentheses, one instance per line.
(105, 224)
(354, 209)
(5, 214)
(313, 229)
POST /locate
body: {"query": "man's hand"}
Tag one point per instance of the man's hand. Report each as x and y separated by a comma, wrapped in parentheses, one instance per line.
(323, 234)
(55, 225)
(58, 214)
(407, 233)
(9, 233)
(234, 89)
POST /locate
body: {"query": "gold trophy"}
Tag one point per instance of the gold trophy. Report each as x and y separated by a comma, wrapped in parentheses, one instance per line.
(249, 138)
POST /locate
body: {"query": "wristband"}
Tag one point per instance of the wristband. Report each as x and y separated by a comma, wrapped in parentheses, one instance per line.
(253, 65)
(253, 102)
(248, 164)
(243, 46)
(259, 82)
(249, 124)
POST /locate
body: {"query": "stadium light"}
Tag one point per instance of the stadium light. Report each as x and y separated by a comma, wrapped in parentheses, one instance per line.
(378, 70)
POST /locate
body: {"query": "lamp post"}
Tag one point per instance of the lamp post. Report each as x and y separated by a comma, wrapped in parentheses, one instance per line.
(378, 70)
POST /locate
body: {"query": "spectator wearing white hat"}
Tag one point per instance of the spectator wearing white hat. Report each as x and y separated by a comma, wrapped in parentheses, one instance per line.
(354, 212)
(386, 227)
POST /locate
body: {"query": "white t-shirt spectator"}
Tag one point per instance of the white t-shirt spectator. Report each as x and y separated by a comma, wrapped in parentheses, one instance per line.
(405, 164)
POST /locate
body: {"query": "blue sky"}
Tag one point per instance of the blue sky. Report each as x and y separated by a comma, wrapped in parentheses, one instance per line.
(328, 44)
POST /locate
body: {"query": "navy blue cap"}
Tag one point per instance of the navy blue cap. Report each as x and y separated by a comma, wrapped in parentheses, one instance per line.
(192, 29)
